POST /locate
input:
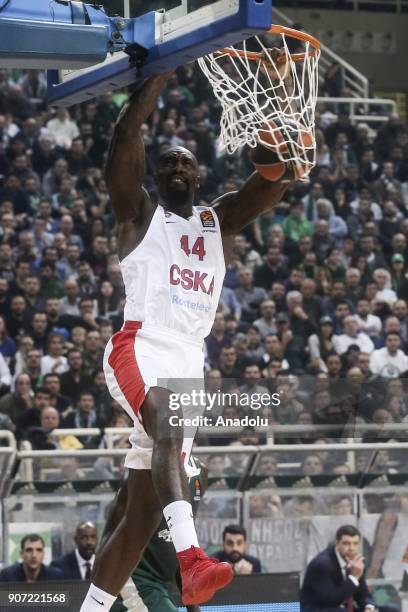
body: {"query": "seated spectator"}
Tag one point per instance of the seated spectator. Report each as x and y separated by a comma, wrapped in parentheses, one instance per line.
(227, 363)
(337, 297)
(32, 367)
(62, 128)
(5, 376)
(52, 382)
(255, 349)
(75, 379)
(266, 323)
(296, 225)
(249, 296)
(24, 345)
(234, 539)
(368, 323)
(102, 397)
(216, 465)
(320, 345)
(353, 284)
(16, 402)
(248, 256)
(240, 344)
(278, 295)
(217, 339)
(352, 336)
(390, 361)
(312, 304)
(39, 330)
(272, 270)
(83, 417)
(7, 344)
(312, 465)
(31, 416)
(301, 324)
(268, 465)
(69, 304)
(31, 568)
(384, 294)
(252, 381)
(286, 412)
(302, 507)
(35, 303)
(335, 576)
(292, 346)
(78, 564)
(42, 438)
(322, 241)
(342, 505)
(54, 361)
(69, 471)
(18, 321)
(337, 225)
(229, 305)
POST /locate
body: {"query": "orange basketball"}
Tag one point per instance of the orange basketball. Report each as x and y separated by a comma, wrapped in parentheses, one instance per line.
(277, 141)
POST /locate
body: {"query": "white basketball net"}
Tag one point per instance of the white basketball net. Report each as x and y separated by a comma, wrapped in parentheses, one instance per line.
(260, 95)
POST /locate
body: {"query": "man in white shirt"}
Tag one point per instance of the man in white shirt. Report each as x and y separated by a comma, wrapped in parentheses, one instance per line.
(351, 336)
(390, 361)
(78, 564)
(62, 128)
(368, 323)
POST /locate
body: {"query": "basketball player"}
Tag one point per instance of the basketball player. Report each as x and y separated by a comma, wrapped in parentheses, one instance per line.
(173, 258)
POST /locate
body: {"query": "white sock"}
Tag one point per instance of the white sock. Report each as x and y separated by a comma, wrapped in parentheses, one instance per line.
(97, 600)
(179, 518)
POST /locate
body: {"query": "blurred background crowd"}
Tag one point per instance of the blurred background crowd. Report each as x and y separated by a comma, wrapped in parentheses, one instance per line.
(314, 305)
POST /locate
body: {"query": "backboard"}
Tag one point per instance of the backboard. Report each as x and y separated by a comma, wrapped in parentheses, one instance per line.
(173, 33)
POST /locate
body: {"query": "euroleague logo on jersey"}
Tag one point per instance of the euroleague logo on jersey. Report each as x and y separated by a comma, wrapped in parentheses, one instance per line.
(207, 218)
(197, 490)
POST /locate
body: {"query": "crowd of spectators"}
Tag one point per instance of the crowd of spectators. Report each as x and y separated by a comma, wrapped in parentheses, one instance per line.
(314, 304)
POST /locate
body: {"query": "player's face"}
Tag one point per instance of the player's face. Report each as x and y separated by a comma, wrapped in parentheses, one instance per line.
(177, 176)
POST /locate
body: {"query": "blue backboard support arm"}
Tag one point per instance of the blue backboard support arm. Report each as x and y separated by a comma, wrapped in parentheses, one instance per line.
(154, 44)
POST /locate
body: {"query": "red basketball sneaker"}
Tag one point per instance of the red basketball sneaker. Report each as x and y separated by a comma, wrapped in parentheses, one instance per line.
(201, 575)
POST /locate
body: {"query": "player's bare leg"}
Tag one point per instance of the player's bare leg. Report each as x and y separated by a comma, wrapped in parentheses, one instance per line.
(165, 487)
(133, 520)
(201, 576)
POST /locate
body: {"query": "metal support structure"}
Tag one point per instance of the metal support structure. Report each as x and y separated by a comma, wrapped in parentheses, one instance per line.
(353, 104)
(211, 450)
(349, 430)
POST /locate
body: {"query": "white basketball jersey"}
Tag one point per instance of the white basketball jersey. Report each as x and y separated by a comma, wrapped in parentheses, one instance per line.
(174, 277)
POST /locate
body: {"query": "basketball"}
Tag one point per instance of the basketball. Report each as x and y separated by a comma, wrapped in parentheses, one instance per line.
(277, 142)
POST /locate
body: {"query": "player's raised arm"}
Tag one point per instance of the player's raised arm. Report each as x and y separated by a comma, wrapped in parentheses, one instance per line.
(237, 209)
(125, 167)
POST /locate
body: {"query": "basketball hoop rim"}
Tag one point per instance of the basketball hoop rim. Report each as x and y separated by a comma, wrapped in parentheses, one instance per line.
(277, 29)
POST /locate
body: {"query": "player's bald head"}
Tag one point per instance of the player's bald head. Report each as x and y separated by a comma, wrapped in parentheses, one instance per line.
(177, 150)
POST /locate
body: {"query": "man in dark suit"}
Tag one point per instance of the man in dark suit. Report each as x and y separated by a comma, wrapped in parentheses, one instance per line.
(234, 540)
(32, 569)
(78, 564)
(334, 579)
